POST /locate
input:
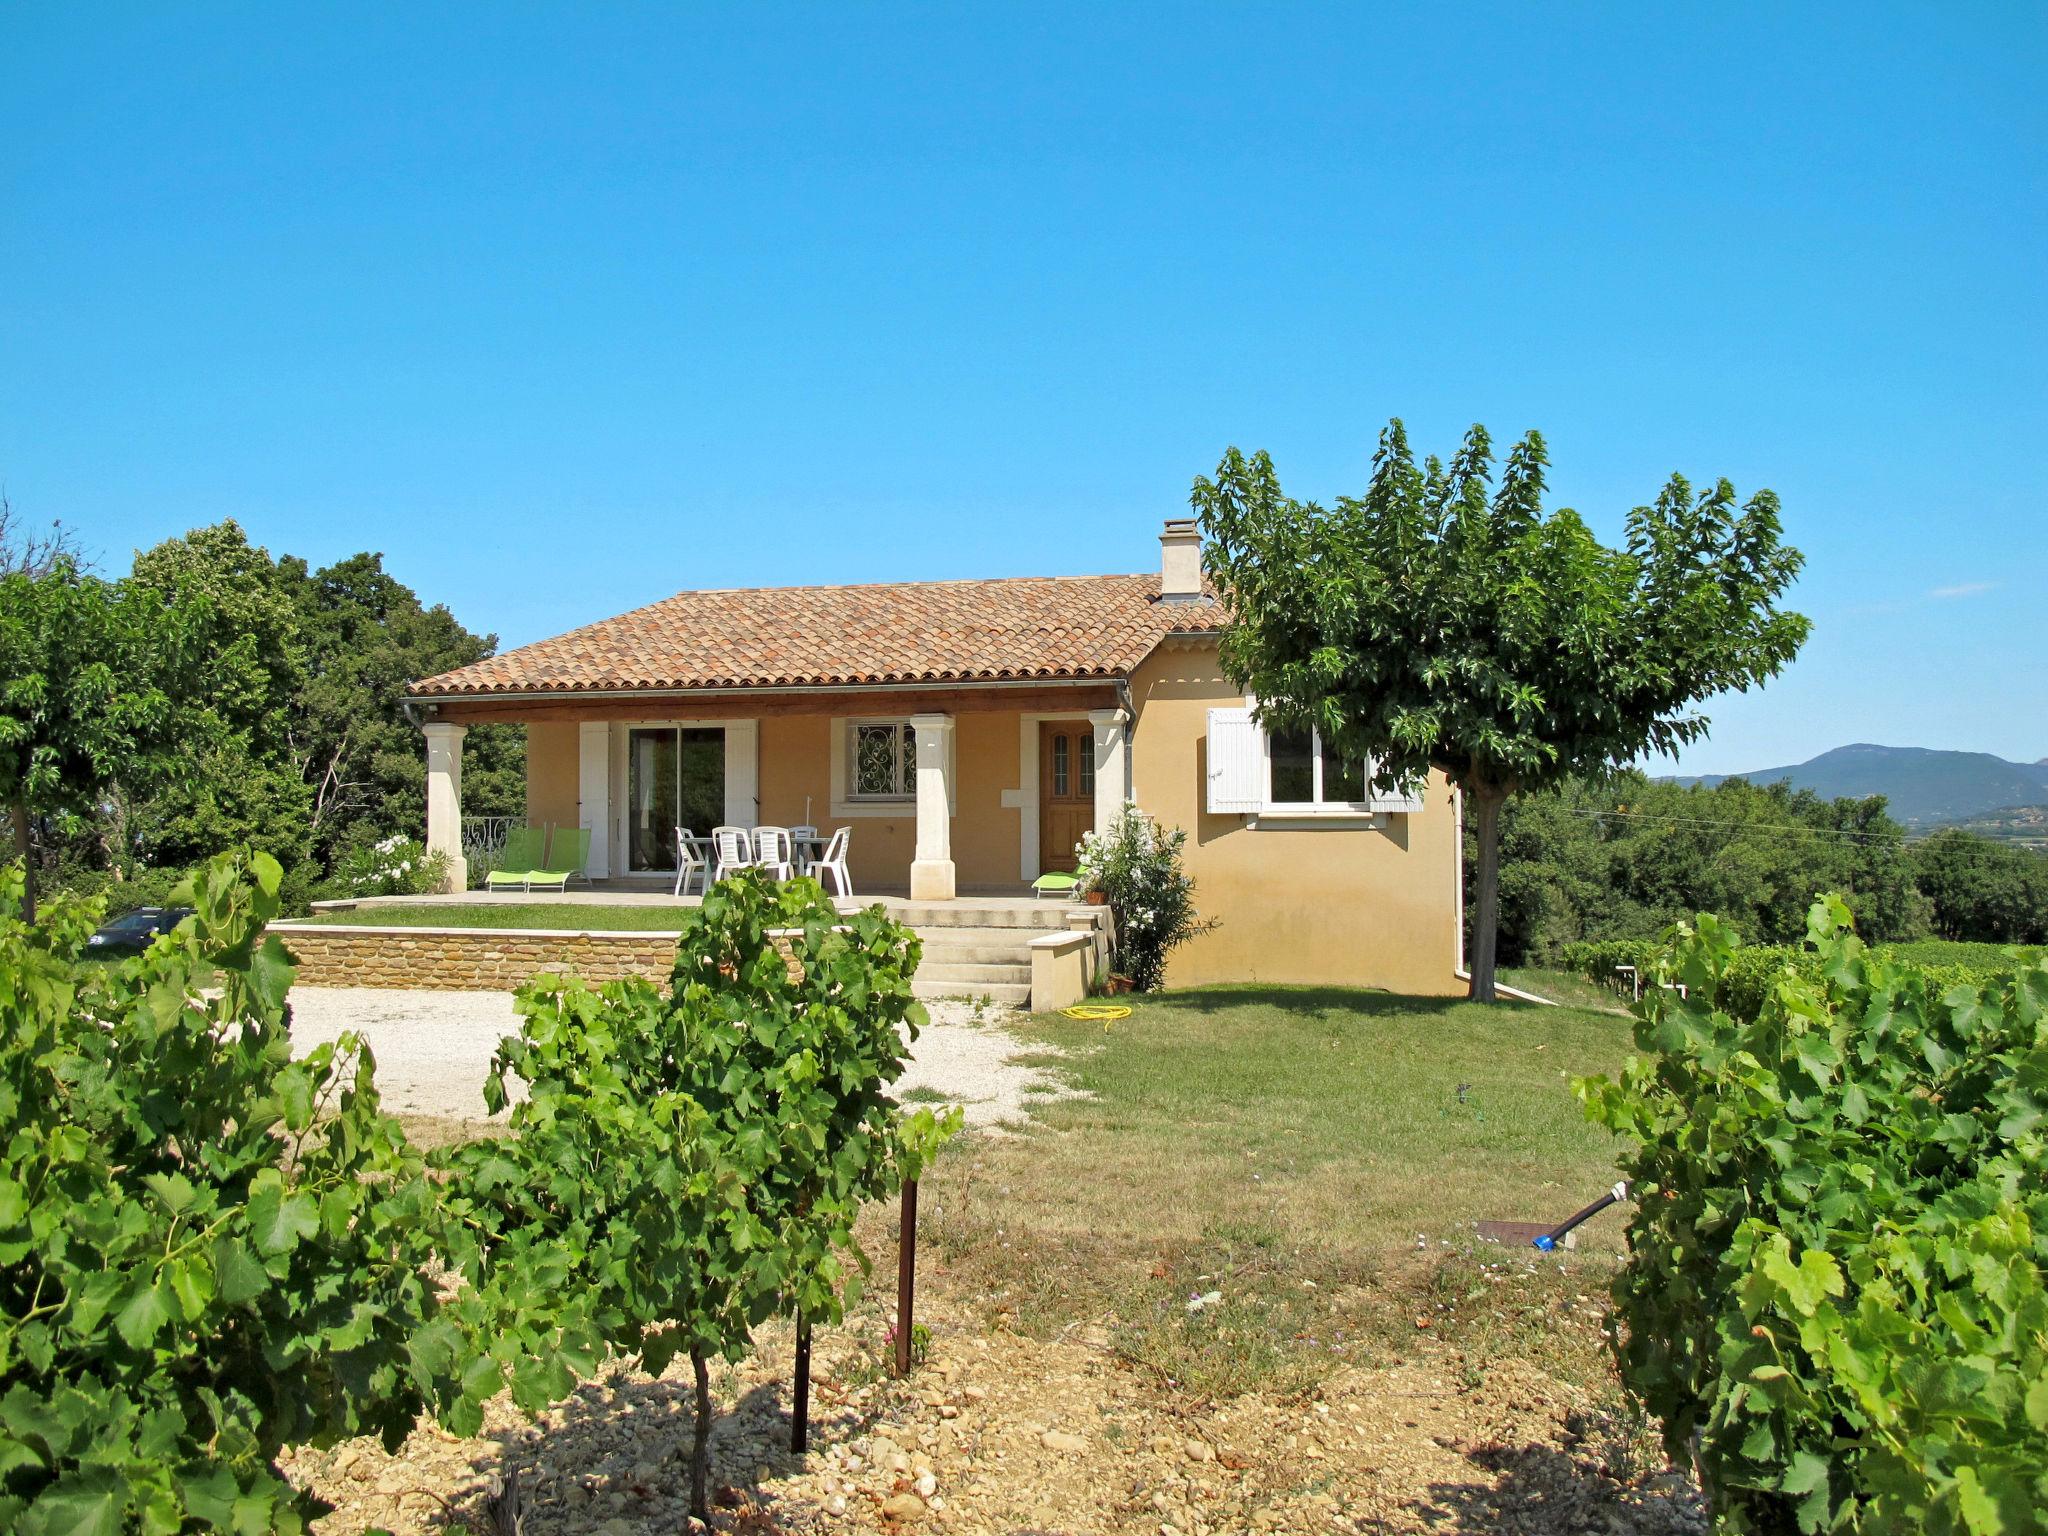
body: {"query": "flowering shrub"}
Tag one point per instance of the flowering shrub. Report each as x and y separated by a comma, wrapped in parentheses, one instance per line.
(1137, 865)
(1836, 1297)
(395, 866)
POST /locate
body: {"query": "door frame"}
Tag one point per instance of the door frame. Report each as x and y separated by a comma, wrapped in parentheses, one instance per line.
(742, 778)
(1027, 782)
(1080, 738)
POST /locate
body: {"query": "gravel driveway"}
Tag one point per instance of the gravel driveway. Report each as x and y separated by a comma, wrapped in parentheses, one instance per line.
(433, 1048)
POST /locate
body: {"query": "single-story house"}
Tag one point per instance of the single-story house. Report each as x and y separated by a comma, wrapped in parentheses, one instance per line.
(969, 732)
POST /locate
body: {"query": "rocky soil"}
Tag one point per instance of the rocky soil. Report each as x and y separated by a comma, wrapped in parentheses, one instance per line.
(997, 1433)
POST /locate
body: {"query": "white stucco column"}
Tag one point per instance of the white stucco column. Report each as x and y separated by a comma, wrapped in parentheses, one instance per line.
(1109, 765)
(444, 798)
(931, 872)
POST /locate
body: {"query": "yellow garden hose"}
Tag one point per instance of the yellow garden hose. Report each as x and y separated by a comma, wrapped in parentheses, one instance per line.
(1103, 1013)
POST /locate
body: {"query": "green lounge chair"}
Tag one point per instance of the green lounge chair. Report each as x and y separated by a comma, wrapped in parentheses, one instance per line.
(1056, 883)
(522, 855)
(565, 860)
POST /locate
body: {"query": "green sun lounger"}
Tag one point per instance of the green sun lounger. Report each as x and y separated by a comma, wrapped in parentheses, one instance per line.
(1056, 883)
(525, 850)
(565, 860)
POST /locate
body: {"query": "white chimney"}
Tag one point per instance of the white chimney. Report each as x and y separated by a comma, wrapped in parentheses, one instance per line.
(1180, 561)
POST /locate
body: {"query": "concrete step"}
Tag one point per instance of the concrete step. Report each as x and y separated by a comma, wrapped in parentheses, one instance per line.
(975, 975)
(1012, 994)
(972, 946)
(965, 914)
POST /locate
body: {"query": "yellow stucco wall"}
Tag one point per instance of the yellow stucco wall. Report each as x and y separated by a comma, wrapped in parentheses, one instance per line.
(796, 761)
(1358, 906)
(984, 831)
(551, 774)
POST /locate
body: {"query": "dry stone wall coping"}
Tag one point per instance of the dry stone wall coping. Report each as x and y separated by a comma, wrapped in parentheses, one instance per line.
(469, 959)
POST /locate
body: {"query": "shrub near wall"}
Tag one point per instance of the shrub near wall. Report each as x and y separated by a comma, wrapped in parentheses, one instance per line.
(1835, 1292)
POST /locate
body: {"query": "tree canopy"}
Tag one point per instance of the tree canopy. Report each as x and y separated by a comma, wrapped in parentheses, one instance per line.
(366, 635)
(219, 698)
(1984, 890)
(82, 701)
(1443, 621)
(1625, 856)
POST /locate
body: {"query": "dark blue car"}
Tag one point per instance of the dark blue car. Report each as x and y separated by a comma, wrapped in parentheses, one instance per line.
(131, 932)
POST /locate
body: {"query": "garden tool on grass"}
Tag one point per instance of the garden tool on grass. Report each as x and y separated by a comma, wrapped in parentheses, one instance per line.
(1549, 1238)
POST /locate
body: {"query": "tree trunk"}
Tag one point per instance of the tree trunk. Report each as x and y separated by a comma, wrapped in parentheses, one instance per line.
(700, 1445)
(1486, 804)
(18, 814)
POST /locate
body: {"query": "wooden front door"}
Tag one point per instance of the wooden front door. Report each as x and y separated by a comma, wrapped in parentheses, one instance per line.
(1066, 791)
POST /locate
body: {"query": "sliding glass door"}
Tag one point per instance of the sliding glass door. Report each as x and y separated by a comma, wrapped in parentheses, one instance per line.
(675, 777)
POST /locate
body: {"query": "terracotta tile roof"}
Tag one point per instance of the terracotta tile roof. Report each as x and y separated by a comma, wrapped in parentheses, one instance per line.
(899, 632)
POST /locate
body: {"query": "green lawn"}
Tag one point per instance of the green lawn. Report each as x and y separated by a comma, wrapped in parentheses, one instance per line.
(1567, 987)
(1340, 1109)
(1287, 1147)
(581, 917)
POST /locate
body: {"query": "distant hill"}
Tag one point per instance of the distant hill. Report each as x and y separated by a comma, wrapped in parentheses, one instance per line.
(2026, 825)
(1924, 786)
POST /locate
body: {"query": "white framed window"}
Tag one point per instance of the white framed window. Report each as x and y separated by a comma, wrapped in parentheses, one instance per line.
(881, 760)
(1302, 774)
(1288, 776)
(874, 768)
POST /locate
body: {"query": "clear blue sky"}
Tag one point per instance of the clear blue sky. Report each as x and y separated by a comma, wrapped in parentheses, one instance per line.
(566, 308)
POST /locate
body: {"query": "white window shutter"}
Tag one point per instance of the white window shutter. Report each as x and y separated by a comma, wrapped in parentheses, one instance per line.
(1237, 763)
(1400, 802)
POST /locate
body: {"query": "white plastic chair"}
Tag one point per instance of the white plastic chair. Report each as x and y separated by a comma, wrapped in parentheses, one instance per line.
(797, 845)
(735, 850)
(772, 852)
(833, 862)
(689, 863)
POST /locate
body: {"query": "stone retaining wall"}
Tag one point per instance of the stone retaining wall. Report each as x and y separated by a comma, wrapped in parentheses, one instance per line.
(467, 959)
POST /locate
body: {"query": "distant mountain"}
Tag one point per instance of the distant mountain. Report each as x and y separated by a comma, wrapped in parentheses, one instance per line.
(1924, 786)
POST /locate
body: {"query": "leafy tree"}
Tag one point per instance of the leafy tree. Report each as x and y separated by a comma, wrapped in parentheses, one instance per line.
(1625, 856)
(82, 699)
(1437, 622)
(236, 783)
(365, 635)
(1982, 889)
(208, 1251)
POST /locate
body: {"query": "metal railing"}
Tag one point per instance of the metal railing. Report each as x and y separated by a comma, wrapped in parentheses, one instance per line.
(483, 842)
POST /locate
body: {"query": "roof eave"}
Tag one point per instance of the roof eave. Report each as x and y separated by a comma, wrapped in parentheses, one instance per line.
(668, 690)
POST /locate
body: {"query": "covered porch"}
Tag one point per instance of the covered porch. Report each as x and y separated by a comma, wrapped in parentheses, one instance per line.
(946, 792)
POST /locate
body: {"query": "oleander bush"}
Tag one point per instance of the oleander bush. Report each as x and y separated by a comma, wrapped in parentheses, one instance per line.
(1834, 1298)
(392, 866)
(1137, 864)
(208, 1251)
